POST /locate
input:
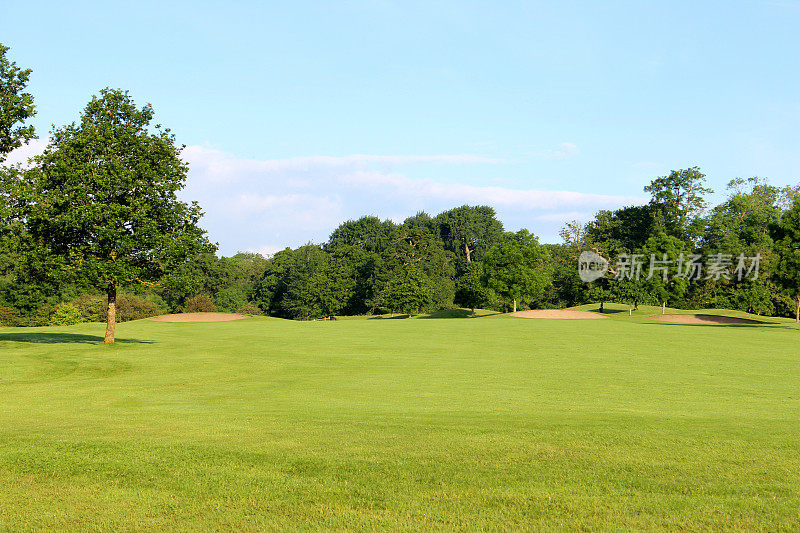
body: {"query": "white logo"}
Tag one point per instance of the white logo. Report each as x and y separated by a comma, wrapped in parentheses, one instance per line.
(591, 266)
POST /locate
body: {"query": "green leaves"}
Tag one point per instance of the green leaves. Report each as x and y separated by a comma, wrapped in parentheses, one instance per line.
(103, 194)
(102, 198)
(16, 105)
(680, 201)
(469, 230)
(518, 268)
(787, 237)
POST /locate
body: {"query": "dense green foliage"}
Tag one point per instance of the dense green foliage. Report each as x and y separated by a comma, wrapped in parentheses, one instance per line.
(98, 212)
(100, 204)
(16, 105)
(478, 423)
(370, 266)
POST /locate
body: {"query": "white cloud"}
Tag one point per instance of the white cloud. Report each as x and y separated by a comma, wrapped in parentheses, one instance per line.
(291, 201)
(266, 250)
(26, 151)
(222, 164)
(563, 151)
(562, 217)
(496, 196)
(266, 205)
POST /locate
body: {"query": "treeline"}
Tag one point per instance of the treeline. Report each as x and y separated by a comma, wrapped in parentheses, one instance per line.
(93, 229)
(461, 257)
(755, 226)
(464, 258)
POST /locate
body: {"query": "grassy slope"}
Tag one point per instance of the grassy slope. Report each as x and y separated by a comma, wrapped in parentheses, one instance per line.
(492, 422)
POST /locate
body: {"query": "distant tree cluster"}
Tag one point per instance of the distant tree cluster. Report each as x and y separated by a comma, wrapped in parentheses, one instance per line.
(93, 229)
(459, 257)
(756, 219)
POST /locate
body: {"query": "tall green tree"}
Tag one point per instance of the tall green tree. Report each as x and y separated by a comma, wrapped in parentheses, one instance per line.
(417, 244)
(16, 108)
(664, 282)
(368, 232)
(471, 292)
(308, 294)
(102, 199)
(517, 268)
(470, 230)
(16, 105)
(409, 290)
(787, 240)
(271, 288)
(680, 200)
(740, 226)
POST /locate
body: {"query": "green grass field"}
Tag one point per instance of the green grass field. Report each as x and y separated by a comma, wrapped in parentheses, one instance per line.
(475, 423)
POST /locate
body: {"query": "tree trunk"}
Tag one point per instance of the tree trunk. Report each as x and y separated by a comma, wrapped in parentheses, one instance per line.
(663, 307)
(601, 306)
(468, 252)
(515, 306)
(111, 318)
(473, 311)
(797, 310)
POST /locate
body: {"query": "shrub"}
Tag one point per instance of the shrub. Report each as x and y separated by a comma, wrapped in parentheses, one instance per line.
(93, 307)
(29, 321)
(130, 307)
(66, 315)
(7, 316)
(249, 309)
(199, 304)
(230, 299)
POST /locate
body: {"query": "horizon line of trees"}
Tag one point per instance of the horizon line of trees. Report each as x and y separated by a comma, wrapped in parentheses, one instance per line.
(93, 228)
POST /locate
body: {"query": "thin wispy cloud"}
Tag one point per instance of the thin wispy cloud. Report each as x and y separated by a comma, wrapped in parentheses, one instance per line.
(268, 204)
(563, 151)
(496, 196)
(218, 161)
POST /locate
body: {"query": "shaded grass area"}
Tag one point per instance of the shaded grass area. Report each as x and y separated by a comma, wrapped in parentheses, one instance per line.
(57, 338)
(489, 423)
(644, 312)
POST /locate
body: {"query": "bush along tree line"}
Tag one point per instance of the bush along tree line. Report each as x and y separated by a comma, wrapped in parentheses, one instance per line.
(92, 229)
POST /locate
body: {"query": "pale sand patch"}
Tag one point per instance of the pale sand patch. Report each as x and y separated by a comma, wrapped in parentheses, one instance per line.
(199, 317)
(558, 313)
(703, 319)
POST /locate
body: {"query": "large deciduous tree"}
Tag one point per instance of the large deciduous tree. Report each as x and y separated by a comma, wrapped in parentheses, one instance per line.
(680, 201)
(517, 268)
(469, 229)
(470, 289)
(787, 240)
(102, 199)
(16, 105)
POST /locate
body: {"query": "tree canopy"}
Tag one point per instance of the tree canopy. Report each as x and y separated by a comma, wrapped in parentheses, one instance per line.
(471, 230)
(98, 212)
(102, 199)
(16, 105)
(517, 268)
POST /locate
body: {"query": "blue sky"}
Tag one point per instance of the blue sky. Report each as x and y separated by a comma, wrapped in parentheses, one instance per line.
(299, 115)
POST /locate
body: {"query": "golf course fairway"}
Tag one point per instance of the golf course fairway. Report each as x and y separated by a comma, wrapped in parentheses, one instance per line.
(492, 422)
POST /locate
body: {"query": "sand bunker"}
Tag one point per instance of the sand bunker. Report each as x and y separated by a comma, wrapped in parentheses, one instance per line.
(199, 317)
(558, 313)
(704, 319)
